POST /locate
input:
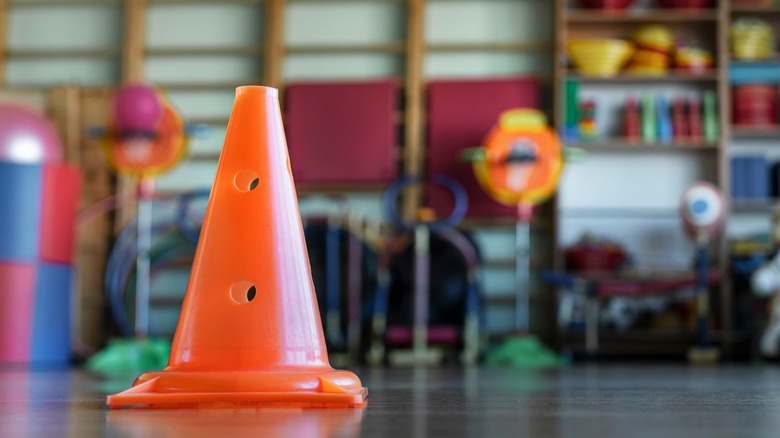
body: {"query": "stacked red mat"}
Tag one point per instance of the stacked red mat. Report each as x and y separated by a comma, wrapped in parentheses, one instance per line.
(460, 114)
(342, 132)
(347, 132)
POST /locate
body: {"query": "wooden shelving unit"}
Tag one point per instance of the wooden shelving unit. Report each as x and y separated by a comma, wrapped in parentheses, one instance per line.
(709, 26)
(771, 14)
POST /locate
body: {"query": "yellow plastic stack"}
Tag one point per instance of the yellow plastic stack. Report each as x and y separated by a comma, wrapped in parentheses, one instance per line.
(655, 44)
(752, 39)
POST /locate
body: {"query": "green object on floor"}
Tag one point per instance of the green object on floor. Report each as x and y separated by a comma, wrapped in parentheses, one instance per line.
(130, 357)
(523, 352)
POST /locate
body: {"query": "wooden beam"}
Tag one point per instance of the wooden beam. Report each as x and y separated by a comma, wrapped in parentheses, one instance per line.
(274, 43)
(64, 109)
(205, 51)
(132, 70)
(200, 2)
(42, 3)
(557, 118)
(206, 86)
(522, 46)
(347, 48)
(3, 38)
(103, 52)
(133, 49)
(95, 238)
(723, 178)
(413, 153)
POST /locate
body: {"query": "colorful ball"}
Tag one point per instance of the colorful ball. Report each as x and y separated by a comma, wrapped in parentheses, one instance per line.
(26, 136)
(137, 109)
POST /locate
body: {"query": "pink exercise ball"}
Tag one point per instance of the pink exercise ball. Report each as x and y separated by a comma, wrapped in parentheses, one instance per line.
(26, 136)
(137, 108)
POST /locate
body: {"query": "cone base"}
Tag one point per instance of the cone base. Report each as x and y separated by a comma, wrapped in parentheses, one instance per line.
(272, 389)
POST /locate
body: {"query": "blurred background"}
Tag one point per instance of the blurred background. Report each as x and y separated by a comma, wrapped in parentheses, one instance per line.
(628, 258)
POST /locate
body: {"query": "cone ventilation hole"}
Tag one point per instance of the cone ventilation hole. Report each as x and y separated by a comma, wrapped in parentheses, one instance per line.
(243, 292)
(246, 180)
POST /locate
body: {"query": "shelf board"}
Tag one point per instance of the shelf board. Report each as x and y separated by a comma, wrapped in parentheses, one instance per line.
(754, 205)
(617, 145)
(623, 77)
(655, 15)
(766, 133)
(774, 59)
(760, 9)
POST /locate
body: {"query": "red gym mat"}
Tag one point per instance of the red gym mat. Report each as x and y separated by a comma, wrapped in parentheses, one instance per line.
(342, 132)
(460, 114)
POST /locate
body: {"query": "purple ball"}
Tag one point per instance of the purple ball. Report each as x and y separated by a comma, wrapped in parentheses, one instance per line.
(137, 109)
(26, 136)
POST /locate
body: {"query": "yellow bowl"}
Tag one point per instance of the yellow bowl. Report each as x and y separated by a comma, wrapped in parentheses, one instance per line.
(656, 36)
(599, 56)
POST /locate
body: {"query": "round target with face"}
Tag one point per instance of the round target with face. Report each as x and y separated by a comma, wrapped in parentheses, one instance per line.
(522, 159)
(147, 154)
(702, 208)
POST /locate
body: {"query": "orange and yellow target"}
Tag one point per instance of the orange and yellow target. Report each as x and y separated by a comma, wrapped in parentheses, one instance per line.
(521, 160)
(144, 156)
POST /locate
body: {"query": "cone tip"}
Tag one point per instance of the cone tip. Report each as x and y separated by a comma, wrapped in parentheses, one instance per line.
(257, 89)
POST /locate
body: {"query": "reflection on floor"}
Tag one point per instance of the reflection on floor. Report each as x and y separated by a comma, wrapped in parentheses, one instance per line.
(593, 401)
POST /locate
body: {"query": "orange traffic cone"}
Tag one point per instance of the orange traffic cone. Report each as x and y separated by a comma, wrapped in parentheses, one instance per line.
(233, 423)
(249, 333)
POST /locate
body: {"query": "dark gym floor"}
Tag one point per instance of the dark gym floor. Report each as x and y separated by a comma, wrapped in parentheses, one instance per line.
(581, 401)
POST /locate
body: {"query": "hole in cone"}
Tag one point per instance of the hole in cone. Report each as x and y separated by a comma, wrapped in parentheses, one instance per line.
(246, 180)
(243, 292)
(250, 294)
